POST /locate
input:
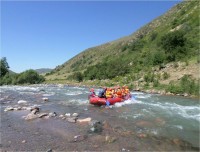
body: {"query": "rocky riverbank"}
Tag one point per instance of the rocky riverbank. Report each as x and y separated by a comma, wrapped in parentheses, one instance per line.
(32, 122)
(29, 128)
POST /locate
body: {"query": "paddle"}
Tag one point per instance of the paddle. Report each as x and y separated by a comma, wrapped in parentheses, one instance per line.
(133, 97)
(107, 103)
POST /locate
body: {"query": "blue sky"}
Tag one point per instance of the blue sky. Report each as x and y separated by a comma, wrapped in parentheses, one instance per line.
(44, 34)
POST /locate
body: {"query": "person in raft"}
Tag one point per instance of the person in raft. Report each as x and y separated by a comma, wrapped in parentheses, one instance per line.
(109, 93)
(102, 93)
(92, 93)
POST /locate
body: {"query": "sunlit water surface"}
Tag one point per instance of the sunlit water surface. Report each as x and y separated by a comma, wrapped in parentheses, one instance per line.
(165, 116)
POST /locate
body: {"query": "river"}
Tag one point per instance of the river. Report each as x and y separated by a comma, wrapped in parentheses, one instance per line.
(164, 121)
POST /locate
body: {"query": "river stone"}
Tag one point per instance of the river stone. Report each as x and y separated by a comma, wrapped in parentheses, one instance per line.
(28, 108)
(45, 99)
(52, 114)
(61, 116)
(96, 126)
(72, 119)
(110, 139)
(67, 114)
(24, 141)
(19, 108)
(31, 116)
(22, 102)
(79, 138)
(9, 109)
(75, 115)
(35, 110)
(142, 135)
(42, 115)
(86, 120)
(49, 150)
(106, 126)
(123, 149)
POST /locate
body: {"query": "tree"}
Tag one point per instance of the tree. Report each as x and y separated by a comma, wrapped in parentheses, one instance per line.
(78, 76)
(4, 67)
(174, 45)
(30, 77)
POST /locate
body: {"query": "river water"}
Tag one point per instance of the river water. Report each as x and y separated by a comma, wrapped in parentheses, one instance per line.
(152, 115)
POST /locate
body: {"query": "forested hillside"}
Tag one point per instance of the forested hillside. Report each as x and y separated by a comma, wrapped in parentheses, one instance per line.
(150, 57)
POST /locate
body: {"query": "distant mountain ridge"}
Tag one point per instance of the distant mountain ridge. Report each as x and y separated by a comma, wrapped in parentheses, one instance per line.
(43, 70)
(11, 72)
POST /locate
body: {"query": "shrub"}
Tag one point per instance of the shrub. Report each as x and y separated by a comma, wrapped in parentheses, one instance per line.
(186, 85)
(175, 65)
(29, 77)
(78, 76)
(107, 69)
(166, 75)
(174, 88)
(153, 36)
(149, 77)
(158, 57)
(174, 45)
(156, 83)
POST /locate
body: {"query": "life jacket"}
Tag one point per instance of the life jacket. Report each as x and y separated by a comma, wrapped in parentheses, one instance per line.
(123, 91)
(127, 91)
(109, 94)
(119, 93)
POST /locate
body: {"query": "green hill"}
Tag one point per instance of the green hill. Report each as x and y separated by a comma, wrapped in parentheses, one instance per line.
(43, 70)
(142, 59)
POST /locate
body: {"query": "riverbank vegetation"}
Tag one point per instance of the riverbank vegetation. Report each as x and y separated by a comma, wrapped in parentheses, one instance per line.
(11, 78)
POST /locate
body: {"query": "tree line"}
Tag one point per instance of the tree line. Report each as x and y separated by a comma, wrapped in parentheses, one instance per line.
(26, 77)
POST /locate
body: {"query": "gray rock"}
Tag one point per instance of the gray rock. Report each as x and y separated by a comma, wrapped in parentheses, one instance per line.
(79, 138)
(84, 120)
(31, 116)
(72, 119)
(49, 150)
(67, 114)
(96, 126)
(35, 110)
(42, 115)
(75, 115)
(123, 149)
(110, 139)
(24, 141)
(45, 99)
(61, 116)
(22, 102)
(9, 109)
(52, 114)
